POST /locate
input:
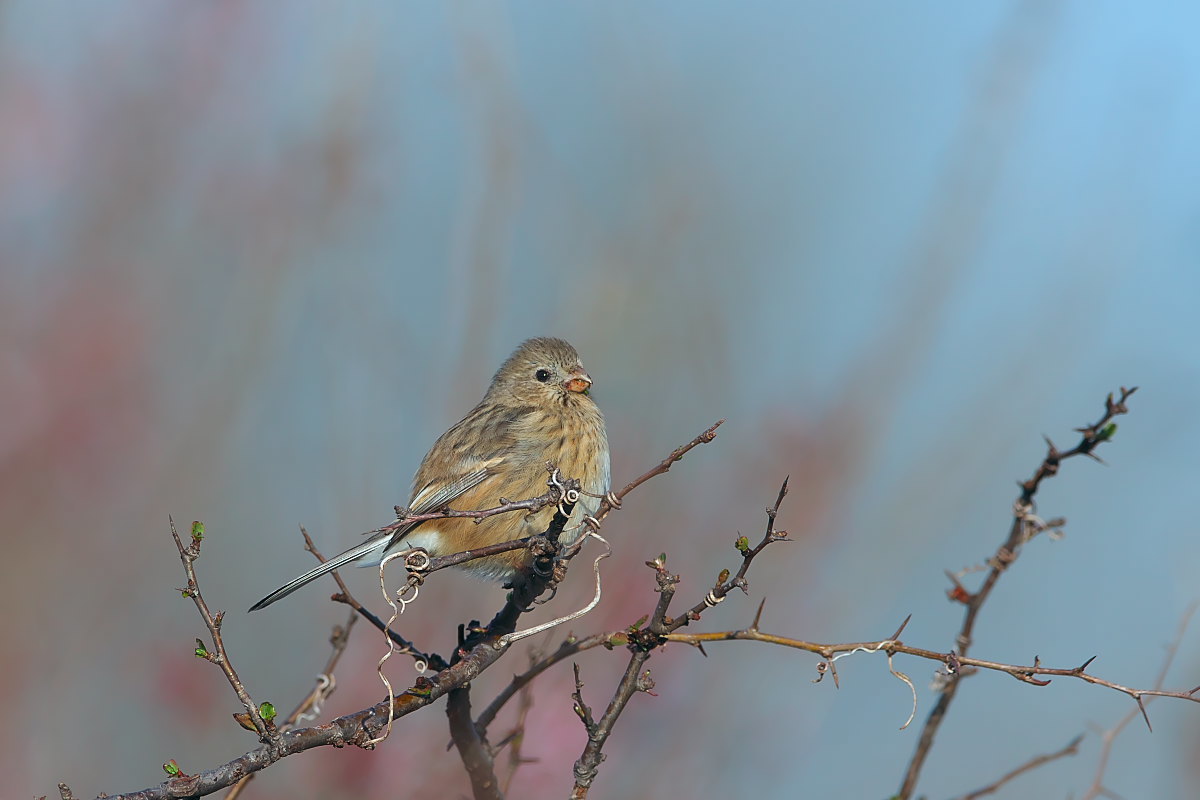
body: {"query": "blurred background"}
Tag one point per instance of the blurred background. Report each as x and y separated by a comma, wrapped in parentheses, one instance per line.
(255, 257)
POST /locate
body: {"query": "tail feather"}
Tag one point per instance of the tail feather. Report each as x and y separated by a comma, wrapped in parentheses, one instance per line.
(341, 559)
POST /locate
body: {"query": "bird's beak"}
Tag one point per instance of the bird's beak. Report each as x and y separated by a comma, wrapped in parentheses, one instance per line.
(578, 382)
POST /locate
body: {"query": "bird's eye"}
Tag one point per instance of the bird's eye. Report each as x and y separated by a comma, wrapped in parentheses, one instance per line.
(542, 375)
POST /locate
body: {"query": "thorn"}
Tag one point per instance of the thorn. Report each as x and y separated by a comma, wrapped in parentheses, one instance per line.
(1145, 716)
(1083, 667)
(758, 614)
(1095, 457)
(895, 636)
(700, 647)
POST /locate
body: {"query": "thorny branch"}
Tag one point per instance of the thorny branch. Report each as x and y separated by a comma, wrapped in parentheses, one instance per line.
(642, 641)
(951, 662)
(480, 648)
(1092, 436)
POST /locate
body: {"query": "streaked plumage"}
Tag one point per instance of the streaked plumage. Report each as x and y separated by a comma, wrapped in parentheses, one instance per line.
(537, 409)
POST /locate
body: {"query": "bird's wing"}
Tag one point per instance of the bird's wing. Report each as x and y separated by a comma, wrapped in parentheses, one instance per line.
(435, 494)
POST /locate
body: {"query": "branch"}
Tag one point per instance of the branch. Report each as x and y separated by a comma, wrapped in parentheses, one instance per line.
(1023, 525)
(472, 747)
(643, 641)
(403, 646)
(263, 727)
(607, 504)
(635, 679)
(725, 585)
(568, 648)
(479, 650)
(951, 662)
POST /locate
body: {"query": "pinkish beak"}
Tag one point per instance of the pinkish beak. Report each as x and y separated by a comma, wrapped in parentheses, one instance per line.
(578, 382)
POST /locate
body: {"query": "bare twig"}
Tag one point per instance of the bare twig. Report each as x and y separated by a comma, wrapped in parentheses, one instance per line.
(951, 662)
(582, 709)
(403, 646)
(607, 504)
(404, 518)
(642, 642)
(218, 655)
(568, 648)
(725, 584)
(1092, 437)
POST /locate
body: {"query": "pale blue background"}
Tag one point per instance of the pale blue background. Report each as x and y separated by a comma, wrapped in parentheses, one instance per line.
(255, 256)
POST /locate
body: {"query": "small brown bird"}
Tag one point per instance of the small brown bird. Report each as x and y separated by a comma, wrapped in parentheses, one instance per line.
(537, 410)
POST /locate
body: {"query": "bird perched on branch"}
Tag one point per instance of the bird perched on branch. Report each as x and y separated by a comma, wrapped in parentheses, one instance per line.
(537, 410)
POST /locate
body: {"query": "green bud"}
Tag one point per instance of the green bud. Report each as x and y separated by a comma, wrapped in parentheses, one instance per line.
(197, 531)
(201, 650)
(742, 544)
(172, 769)
(1107, 432)
(266, 711)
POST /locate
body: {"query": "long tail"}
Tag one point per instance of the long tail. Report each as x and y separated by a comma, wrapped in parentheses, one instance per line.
(341, 559)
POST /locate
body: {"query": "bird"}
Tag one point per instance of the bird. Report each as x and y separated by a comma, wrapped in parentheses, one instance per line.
(538, 410)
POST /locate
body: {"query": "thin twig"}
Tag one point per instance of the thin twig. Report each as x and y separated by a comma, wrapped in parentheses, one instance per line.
(606, 505)
(951, 662)
(1092, 437)
(634, 680)
(218, 655)
(726, 584)
(643, 640)
(403, 646)
(568, 648)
